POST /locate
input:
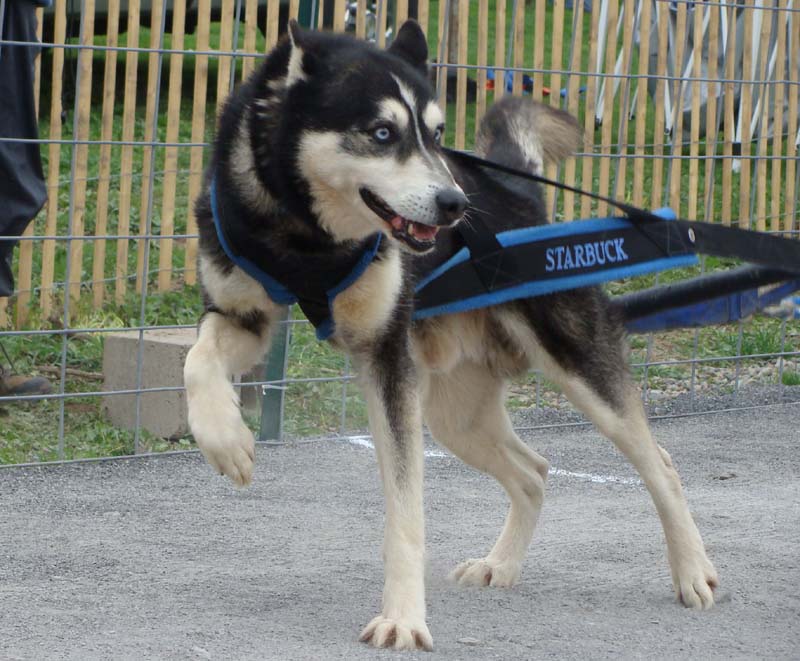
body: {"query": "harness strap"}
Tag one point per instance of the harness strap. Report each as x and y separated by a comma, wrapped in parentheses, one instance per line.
(719, 240)
(317, 305)
(275, 290)
(556, 258)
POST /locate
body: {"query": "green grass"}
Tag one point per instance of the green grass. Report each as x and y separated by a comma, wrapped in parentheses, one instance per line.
(791, 378)
(30, 430)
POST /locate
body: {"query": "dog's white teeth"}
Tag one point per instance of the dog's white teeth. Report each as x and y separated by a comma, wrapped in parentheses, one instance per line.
(424, 232)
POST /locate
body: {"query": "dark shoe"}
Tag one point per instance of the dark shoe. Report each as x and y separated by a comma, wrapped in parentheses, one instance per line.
(11, 385)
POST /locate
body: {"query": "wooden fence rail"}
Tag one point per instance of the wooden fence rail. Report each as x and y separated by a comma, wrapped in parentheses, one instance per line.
(690, 104)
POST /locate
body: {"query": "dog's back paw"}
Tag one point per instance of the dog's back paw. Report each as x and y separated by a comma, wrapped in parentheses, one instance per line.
(695, 580)
(483, 572)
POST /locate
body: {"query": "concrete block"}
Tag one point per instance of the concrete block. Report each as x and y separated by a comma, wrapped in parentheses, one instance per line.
(161, 413)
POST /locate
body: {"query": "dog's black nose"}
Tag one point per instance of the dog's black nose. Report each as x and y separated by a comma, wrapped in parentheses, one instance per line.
(452, 203)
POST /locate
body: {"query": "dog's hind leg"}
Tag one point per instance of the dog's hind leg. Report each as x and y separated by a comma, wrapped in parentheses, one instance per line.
(593, 374)
(465, 412)
(227, 344)
(693, 575)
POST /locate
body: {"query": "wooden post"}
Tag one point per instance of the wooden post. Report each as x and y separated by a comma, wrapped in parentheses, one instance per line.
(423, 14)
(250, 32)
(461, 74)
(621, 175)
(382, 8)
(606, 131)
(225, 45)
(150, 111)
(556, 65)
(694, 127)
(676, 189)
(25, 270)
(640, 129)
(746, 113)
(361, 19)
(539, 25)
(480, 78)
(452, 31)
(573, 101)
(729, 122)
(83, 110)
(170, 179)
(519, 46)
(104, 174)
(499, 49)
(712, 111)
(401, 13)
(273, 22)
(199, 100)
(442, 55)
(765, 107)
(778, 104)
(790, 194)
(592, 85)
(557, 51)
(659, 122)
(126, 157)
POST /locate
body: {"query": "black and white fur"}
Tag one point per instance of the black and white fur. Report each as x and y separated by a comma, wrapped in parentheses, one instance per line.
(328, 142)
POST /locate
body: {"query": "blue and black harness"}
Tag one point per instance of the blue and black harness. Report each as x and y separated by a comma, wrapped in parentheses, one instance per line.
(533, 261)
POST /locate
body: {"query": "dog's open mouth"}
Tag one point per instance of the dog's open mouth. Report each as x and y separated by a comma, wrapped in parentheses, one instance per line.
(418, 236)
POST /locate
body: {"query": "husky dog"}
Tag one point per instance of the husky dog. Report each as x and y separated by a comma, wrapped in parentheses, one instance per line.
(330, 144)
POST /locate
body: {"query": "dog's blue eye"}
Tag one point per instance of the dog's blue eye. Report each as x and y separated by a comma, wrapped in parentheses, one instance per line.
(382, 134)
(437, 134)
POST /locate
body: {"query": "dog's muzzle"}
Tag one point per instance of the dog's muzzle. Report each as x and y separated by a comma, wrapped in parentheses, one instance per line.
(420, 237)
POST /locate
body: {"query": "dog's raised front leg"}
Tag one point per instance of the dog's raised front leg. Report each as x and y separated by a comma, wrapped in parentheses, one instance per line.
(224, 347)
(396, 426)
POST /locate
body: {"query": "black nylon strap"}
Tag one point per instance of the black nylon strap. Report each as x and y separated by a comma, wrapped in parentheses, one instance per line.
(493, 265)
(625, 247)
(722, 241)
(769, 250)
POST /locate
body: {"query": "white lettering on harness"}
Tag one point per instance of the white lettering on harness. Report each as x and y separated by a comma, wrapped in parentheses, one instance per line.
(585, 255)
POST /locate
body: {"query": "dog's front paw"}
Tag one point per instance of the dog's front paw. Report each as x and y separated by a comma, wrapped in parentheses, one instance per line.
(229, 448)
(398, 634)
(483, 572)
(694, 580)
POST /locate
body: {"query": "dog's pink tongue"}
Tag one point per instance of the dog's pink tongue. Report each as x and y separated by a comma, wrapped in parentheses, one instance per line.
(398, 223)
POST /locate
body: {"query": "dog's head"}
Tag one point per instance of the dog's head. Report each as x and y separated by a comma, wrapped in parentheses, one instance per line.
(363, 130)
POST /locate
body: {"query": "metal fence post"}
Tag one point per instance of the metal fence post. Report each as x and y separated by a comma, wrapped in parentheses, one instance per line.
(271, 428)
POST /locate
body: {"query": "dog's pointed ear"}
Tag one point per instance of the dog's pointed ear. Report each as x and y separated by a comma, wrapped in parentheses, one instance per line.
(300, 57)
(410, 44)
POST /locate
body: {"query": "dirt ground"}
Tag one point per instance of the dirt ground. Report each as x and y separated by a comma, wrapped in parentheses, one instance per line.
(159, 558)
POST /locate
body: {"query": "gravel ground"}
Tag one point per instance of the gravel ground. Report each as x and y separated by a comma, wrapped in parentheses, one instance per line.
(160, 559)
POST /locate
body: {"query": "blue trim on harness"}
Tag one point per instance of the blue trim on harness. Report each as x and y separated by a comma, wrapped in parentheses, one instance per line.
(539, 288)
(279, 292)
(275, 290)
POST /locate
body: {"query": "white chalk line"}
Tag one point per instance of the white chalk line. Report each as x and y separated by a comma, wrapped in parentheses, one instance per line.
(366, 442)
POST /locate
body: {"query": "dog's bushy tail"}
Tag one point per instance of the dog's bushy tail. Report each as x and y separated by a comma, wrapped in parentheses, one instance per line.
(527, 135)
